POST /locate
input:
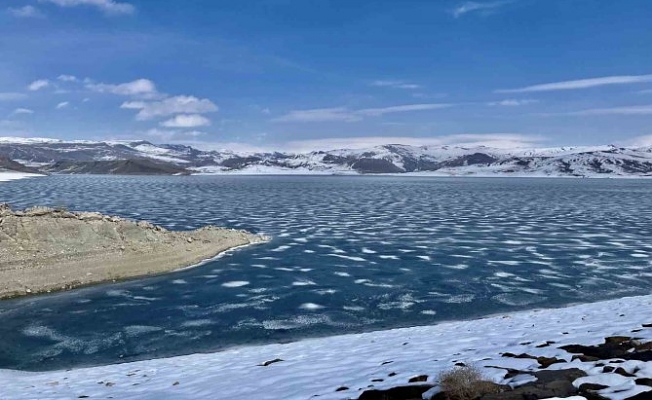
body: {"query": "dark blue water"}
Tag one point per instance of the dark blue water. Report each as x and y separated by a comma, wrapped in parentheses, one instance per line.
(349, 254)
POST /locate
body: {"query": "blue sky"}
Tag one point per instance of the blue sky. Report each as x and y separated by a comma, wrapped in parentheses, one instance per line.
(304, 74)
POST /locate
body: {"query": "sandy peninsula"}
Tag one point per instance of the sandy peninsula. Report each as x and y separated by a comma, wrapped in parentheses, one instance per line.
(47, 250)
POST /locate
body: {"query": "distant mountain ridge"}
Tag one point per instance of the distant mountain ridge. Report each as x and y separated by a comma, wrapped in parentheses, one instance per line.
(58, 156)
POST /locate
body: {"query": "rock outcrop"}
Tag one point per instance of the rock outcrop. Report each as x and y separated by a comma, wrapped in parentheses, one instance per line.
(44, 249)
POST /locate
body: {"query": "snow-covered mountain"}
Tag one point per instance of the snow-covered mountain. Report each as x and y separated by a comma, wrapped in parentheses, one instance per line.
(597, 161)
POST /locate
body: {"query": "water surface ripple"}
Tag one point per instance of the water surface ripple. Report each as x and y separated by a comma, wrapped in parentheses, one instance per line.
(349, 254)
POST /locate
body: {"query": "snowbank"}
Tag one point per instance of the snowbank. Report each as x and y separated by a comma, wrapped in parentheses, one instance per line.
(10, 176)
(313, 367)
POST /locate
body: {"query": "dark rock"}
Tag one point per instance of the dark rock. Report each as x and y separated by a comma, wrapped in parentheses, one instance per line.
(398, 393)
(642, 396)
(592, 387)
(420, 378)
(544, 361)
(341, 389)
(268, 363)
(548, 384)
(644, 382)
(621, 371)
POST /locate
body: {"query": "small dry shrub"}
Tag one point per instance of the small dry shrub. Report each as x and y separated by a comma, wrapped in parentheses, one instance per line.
(465, 383)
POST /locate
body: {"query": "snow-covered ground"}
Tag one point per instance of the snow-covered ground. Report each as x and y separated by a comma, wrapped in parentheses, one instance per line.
(389, 358)
(11, 176)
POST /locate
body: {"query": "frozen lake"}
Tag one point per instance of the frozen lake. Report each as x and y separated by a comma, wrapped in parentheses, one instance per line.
(349, 254)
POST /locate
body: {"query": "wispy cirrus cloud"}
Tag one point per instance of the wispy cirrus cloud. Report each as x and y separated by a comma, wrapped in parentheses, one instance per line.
(344, 114)
(27, 11)
(22, 111)
(63, 104)
(396, 84)
(581, 84)
(11, 96)
(109, 7)
(477, 7)
(629, 110)
(512, 102)
(319, 115)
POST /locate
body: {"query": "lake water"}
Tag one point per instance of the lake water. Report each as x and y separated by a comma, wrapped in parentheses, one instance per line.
(348, 254)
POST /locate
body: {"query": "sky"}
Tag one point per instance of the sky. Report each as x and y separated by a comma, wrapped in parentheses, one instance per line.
(319, 74)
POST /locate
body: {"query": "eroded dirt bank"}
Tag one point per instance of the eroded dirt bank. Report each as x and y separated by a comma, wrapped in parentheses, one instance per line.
(45, 250)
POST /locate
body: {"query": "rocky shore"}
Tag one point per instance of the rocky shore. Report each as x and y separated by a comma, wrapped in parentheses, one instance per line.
(45, 250)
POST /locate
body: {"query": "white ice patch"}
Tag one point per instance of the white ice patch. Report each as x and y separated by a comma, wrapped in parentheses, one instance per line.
(352, 258)
(235, 284)
(303, 283)
(310, 306)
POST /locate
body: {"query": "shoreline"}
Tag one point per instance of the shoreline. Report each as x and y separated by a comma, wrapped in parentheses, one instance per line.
(384, 359)
(72, 286)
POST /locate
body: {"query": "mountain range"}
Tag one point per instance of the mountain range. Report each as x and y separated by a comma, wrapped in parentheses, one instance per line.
(143, 157)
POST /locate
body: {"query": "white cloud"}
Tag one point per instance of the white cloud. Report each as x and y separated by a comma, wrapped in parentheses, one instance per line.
(631, 110)
(473, 6)
(343, 114)
(68, 78)
(23, 111)
(9, 96)
(396, 84)
(512, 102)
(170, 106)
(139, 87)
(38, 85)
(319, 115)
(63, 104)
(25, 12)
(582, 84)
(496, 140)
(110, 7)
(186, 121)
